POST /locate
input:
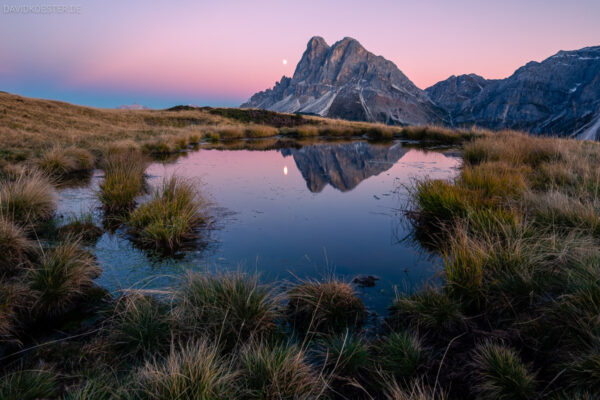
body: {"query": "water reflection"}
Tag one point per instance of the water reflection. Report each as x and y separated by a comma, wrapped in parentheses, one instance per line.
(343, 165)
(347, 221)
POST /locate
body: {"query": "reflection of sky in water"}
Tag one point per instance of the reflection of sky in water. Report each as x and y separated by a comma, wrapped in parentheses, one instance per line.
(307, 212)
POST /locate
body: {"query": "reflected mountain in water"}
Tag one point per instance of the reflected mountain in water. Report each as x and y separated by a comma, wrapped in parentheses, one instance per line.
(343, 165)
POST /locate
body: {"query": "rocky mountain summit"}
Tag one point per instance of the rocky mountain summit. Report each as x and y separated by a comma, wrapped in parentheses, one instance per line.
(346, 81)
(558, 96)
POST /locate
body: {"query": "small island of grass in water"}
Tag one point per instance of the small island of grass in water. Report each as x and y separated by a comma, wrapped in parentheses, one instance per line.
(515, 317)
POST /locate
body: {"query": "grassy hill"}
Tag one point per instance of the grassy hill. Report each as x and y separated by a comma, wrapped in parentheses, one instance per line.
(29, 127)
(514, 315)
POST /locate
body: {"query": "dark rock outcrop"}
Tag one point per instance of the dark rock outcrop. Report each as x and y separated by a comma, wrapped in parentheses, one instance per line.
(453, 92)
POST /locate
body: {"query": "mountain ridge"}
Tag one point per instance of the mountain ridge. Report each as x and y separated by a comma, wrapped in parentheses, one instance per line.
(559, 95)
(345, 80)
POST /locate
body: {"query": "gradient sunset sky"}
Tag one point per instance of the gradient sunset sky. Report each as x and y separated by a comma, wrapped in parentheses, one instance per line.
(168, 52)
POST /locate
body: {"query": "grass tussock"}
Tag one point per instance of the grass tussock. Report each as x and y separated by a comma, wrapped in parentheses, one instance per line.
(439, 135)
(27, 199)
(324, 306)
(344, 354)
(123, 181)
(279, 371)
(518, 233)
(260, 131)
(95, 389)
(63, 275)
(401, 354)
(500, 374)
(513, 315)
(140, 326)
(307, 131)
(15, 246)
(171, 219)
(231, 307)
(429, 309)
(62, 162)
(15, 300)
(28, 385)
(230, 133)
(514, 148)
(415, 390)
(191, 371)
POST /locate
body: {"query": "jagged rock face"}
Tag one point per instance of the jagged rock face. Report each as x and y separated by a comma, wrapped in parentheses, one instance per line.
(453, 92)
(343, 166)
(560, 95)
(346, 81)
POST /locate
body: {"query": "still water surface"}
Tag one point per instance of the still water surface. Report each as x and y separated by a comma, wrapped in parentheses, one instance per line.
(322, 209)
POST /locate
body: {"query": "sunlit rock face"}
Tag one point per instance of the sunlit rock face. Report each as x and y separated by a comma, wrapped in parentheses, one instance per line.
(560, 95)
(346, 81)
(343, 166)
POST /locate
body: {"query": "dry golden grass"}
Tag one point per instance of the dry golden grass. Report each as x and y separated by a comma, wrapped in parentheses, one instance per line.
(27, 198)
(520, 248)
(28, 127)
(15, 247)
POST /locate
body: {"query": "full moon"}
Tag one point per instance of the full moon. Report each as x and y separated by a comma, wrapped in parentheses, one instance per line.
(284, 62)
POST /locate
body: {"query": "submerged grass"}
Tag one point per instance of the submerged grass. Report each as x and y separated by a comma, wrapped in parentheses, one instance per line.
(81, 227)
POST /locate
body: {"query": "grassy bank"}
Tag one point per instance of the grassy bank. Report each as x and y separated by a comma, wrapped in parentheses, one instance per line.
(516, 315)
(518, 228)
(63, 139)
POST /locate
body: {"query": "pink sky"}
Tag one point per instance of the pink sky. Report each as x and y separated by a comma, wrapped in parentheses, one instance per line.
(172, 51)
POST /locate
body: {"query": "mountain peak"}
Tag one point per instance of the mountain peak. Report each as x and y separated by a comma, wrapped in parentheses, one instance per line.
(347, 81)
(558, 95)
(316, 42)
(348, 43)
(347, 40)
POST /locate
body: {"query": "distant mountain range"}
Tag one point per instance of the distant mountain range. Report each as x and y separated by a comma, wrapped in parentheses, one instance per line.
(134, 106)
(559, 96)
